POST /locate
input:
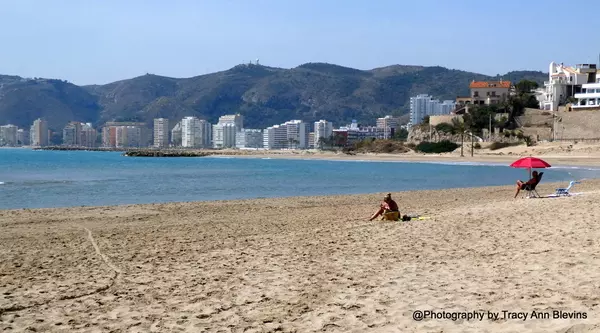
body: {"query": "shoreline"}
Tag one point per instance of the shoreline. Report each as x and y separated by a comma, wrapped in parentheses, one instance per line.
(588, 155)
(294, 264)
(552, 185)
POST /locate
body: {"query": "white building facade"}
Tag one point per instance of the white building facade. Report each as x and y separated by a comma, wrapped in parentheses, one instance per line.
(589, 98)
(424, 105)
(249, 138)
(195, 133)
(8, 135)
(564, 82)
(275, 137)
(224, 135)
(39, 133)
(323, 130)
(236, 119)
(297, 134)
(161, 132)
(22, 137)
(389, 125)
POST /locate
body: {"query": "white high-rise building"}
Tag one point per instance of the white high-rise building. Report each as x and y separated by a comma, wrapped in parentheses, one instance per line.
(236, 119)
(22, 137)
(195, 133)
(249, 138)
(39, 133)
(323, 130)
(389, 125)
(176, 134)
(297, 134)
(72, 134)
(161, 132)
(424, 105)
(89, 136)
(275, 137)
(224, 135)
(128, 136)
(8, 135)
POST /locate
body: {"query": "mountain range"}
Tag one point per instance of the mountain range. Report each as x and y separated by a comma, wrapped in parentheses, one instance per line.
(264, 95)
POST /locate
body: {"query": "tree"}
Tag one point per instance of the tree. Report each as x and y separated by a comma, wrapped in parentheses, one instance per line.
(526, 86)
(460, 127)
(400, 135)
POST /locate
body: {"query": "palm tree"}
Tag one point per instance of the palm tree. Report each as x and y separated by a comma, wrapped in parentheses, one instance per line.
(460, 127)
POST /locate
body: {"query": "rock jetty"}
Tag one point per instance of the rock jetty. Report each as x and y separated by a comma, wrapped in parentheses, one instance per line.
(166, 153)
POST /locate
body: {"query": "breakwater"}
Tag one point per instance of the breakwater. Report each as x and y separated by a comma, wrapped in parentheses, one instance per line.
(168, 153)
(79, 148)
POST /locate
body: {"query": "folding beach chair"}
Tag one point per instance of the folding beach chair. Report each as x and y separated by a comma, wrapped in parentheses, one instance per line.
(565, 191)
(529, 189)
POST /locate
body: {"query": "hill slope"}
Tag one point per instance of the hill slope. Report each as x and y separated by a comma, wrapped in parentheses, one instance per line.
(264, 95)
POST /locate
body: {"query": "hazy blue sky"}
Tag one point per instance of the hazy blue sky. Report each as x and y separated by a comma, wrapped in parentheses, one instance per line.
(99, 41)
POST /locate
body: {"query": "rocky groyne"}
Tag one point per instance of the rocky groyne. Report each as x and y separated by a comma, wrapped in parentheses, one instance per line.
(168, 153)
(78, 148)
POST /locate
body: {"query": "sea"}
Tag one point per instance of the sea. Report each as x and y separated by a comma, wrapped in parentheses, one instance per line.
(44, 179)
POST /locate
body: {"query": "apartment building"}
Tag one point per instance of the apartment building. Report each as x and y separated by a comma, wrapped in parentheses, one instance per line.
(424, 105)
(161, 132)
(195, 133)
(126, 134)
(249, 138)
(89, 135)
(354, 132)
(39, 133)
(389, 124)
(224, 135)
(275, 137)
(297, 134)
(236, 119)
(72, 134)
(489, 92)
(22, 137)
(8, 135)
(589, 98)
(564, 82)
(323, 130)
(176, 135)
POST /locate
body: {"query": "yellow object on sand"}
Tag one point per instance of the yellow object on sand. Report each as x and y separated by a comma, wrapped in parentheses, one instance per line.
(390, 216)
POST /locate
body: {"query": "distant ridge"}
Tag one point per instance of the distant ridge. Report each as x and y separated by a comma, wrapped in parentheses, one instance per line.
(264, 95)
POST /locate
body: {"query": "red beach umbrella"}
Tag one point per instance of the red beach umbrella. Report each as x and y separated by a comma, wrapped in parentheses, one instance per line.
(530, 163)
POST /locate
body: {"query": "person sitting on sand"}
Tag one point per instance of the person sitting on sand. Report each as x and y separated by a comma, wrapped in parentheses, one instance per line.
(388, 210)
(524, 185)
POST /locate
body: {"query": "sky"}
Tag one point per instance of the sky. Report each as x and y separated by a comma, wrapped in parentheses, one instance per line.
(101, 41)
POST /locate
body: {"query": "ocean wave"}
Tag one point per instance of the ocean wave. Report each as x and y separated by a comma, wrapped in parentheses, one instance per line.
(1, 183)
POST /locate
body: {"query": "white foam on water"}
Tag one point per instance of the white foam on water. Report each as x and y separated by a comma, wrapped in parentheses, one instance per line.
(1, 183)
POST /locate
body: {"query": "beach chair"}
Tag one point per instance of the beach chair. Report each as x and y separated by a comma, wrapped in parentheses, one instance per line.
(529, 190)
(565, 191)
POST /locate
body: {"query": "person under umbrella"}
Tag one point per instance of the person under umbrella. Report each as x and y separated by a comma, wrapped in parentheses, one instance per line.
(521, 185)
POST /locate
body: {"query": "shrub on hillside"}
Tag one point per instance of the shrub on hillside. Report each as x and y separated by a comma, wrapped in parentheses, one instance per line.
(445, 128)
(444, 146)
(500, 145)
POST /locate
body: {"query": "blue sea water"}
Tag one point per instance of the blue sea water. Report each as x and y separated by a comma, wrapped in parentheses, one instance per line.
(37, 179)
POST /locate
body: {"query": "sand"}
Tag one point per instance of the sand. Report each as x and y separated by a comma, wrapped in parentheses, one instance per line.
(304, 264)
(556, 153)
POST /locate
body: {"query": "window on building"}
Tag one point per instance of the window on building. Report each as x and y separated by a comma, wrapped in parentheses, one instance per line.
(476, 94)
(493, 94)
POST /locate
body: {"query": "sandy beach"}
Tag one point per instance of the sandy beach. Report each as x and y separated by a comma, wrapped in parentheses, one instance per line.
(556, 153)
(305, 264)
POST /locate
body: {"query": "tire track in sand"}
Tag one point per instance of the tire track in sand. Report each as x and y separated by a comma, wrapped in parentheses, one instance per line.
(117, 273)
